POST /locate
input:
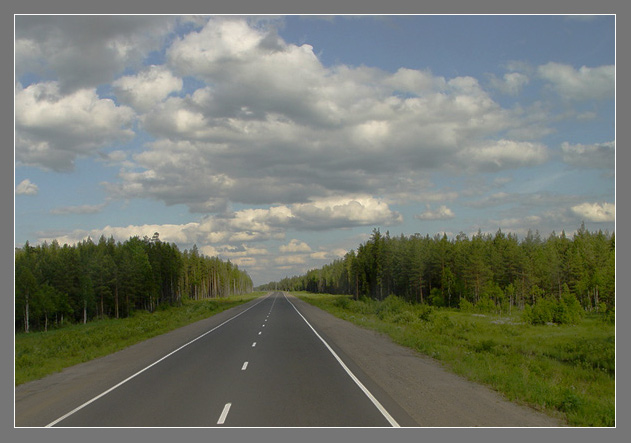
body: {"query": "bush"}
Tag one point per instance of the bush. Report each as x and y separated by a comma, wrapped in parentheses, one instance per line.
(436, 298)
(342, 302)
(391, 305)
(465, 305)
(425, 312)
(568, 310)
(485, 305)
(609, 315)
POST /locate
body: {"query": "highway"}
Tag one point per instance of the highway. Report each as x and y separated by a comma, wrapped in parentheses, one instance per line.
(264, 366)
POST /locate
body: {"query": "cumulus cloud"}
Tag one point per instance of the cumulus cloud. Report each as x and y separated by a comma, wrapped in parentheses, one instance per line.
(596, 212)
(442, 213)
(512, 83)
(84, 51)
(503, 154)
(26, 187)
(270, 124)
(295, 246)
(256, 225)
(147, 88)
(580, 84)
(53, 129)
(601, 155)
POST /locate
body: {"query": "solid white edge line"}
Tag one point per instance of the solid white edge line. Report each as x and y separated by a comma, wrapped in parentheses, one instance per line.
(78, 408)
(224, 414)
(372, 398)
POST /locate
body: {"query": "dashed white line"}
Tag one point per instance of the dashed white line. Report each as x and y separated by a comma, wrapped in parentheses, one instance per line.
(244, 367)
(78, 408)
(253, 344)
(224, 414)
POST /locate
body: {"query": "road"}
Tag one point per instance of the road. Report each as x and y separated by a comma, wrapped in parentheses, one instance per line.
(273, 362)
(265, 366)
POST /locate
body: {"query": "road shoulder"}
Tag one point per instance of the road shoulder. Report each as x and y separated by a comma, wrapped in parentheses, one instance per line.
(431, 395)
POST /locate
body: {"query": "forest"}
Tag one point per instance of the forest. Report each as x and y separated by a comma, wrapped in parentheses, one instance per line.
(488, 272)
(57, 285)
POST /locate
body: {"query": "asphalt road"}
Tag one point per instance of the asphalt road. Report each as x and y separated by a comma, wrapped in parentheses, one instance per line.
(263, 366)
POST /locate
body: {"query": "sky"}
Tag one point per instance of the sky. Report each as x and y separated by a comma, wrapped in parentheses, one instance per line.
(280, 142)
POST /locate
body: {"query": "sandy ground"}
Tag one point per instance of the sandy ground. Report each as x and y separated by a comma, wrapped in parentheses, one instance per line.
(414, 386)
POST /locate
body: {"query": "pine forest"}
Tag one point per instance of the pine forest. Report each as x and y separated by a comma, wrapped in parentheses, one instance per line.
(57, 284)
(492, 273)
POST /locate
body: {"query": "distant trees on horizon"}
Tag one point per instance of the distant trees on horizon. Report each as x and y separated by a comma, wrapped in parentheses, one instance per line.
(57, 284)
(498, 271)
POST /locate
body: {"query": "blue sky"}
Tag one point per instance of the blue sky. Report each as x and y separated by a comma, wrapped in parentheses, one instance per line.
(281, 142)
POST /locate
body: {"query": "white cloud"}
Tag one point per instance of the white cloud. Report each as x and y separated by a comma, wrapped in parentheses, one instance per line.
(272, 125)
(502, 154)
(26, 188)
(85, 51)
(580, 84)
(147, 88)
(232, 230)
(290, 260)
(596, 212)
(601, 155)
(442, 213)
(295, 245)
(512, 83)
(53, 129)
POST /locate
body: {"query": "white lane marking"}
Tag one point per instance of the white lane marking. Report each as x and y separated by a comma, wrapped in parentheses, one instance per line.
(253, 344)
(78, 408)
(245, 365)
(372, 398)
(224, 414)
(263, 326)
(260, 332)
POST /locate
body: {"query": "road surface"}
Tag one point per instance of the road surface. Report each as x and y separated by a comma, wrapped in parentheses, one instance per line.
(264, 366)
(273, 362)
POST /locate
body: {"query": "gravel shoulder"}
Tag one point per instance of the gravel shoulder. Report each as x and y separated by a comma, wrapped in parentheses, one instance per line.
(431, 395)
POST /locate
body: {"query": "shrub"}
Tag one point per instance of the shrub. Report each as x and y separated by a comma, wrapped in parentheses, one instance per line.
(425, 312)
(540, 313)
(609, 315)
(568, 310)
(391, 305)
(436, 298)
(342, 302)
(486, 305)
(465, 305)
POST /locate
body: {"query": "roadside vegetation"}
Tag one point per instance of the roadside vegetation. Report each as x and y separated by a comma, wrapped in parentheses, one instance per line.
(38, 354)
(565, 368)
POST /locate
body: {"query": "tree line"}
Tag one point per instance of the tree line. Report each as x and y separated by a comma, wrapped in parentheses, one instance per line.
(57, 284)
(498, 271)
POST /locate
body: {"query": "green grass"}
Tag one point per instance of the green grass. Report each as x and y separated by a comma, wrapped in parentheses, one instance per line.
(565, 371)
(38, 354)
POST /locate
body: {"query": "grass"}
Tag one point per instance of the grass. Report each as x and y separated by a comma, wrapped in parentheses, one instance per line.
(565, 371)
(38, 354)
